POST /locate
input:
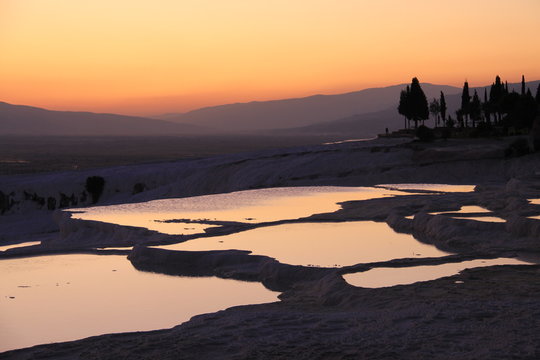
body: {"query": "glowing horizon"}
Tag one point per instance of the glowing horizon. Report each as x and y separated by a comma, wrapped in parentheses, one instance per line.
(150, 57)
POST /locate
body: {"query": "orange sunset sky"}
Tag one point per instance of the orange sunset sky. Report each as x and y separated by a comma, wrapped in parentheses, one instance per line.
(155, 56)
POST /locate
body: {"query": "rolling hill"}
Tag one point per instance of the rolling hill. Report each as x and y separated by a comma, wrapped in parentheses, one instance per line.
(365, 125)
(293, 113)
(27, 120)
(362, 113)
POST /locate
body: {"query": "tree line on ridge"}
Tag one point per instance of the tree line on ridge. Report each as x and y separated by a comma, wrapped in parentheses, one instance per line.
(502, 112)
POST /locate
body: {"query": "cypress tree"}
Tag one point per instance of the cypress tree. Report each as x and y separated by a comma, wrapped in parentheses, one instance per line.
(496, 91)
(435, 109)
(465, 101)
(408, 105)
(450, 122)
(538, 94)
(523, 85)
(475, 109)
(531, 108)
(520, 110)
(442, 103)
(418, 103)
(403, 107)
(459, 117)
(486, 107)
(496, 95)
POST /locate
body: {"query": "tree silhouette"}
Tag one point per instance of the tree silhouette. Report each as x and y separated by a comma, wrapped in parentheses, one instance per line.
(459, 117)
(442, 104)
(465, 101)
(511, 112)
(95, 185)
(486, 108)
(434, 109)
(404, 107)
(450, 122)
(496, 95)
(418, 103)
(519, 110)
(527, 111)
(510, 103)
(475, 109)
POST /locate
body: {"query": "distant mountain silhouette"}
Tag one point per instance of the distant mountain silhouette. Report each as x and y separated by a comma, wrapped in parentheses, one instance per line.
(355, 126)
(292, 113)
(27, 120)
(361, 114)
(365, 125)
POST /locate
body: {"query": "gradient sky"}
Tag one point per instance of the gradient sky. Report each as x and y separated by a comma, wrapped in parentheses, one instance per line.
(155, 56)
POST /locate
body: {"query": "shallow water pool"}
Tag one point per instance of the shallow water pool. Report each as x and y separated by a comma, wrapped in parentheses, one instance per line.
(250, 206)
(472, 209)
(13, 246)
(383, 277)
(320, 244)
(67, 297)
(430, 187)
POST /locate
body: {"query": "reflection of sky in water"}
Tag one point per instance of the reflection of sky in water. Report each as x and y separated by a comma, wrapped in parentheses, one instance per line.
(12, 246)
(535, 202)
(323, 244)
(469, 209)
(431, 187)
(382, 277)
(485, 219)
(67, 297)
(244, 206)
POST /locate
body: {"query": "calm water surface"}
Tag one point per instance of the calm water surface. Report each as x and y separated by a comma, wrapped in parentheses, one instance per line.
(13, 246)
(67, 297)
(251, 206)
(535, 202)
(321, 244)
(383, 277)
(470, 209)
(59, 298)
(431, 187)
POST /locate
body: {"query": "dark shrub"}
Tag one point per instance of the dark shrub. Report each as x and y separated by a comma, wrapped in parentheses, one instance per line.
(424, 134)
(446, 133)
(484, 129)
(38, 199)
(518, 147)
(138, 188)
(94, 186)
(51, 203)
(83, 197)
(64, 201)
(4, 202)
